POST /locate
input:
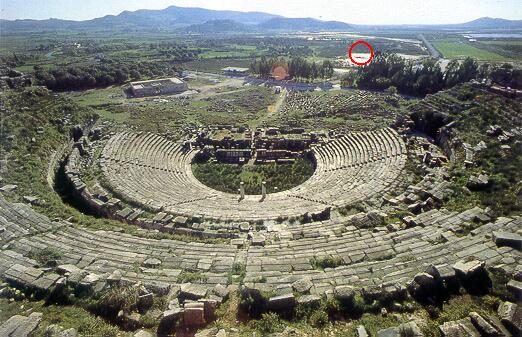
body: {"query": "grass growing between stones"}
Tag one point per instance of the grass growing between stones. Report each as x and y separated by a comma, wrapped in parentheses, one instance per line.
(326, 262)
(46, 256)
(65, 316)
(191, 277)
(455, 309)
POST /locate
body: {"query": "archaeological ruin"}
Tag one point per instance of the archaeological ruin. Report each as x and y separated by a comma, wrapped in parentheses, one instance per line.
(371, 224)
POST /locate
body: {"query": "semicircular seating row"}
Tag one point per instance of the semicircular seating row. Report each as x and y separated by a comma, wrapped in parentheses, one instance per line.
(369, 257)
(155, 173)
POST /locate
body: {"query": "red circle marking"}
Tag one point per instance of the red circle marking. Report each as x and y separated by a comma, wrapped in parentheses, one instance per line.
(367, 45)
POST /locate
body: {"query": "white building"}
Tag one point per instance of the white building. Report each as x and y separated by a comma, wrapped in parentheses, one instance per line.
(163, 86)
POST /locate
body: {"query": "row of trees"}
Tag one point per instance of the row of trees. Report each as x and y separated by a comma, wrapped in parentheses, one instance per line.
(296, 68)
(387, 70)
(106, 72)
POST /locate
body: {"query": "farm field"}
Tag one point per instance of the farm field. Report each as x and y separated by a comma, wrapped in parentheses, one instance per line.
(457, 49)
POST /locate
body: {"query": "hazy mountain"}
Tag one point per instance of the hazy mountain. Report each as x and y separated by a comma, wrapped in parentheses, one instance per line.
(168, 18)
(219, 26)
(492, 23)
(206, 20)
(478, 24)
(281, 23)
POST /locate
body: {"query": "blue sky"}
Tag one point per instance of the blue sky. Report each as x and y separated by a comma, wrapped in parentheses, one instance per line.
(359, 12)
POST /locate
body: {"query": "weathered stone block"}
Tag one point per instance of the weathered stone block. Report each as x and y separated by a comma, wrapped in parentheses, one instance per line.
(344, 294)
(511, 316)
(282, 302)
(194, 314)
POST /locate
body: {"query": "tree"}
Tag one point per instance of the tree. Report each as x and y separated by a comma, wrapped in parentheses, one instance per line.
(327, 69)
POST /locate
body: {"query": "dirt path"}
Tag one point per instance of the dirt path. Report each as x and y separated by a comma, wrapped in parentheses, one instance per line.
(274, 108)
(210, 90)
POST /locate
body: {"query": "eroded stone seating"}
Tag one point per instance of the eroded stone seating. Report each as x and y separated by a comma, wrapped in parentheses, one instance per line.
(150, 171)
(368, 258)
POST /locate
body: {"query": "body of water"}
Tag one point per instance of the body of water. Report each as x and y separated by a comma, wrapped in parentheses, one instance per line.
(497, 35)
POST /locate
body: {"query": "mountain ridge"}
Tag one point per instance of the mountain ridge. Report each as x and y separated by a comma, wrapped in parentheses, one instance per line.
(175, 18)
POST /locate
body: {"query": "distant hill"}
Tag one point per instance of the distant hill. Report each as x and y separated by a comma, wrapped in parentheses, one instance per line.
(493, 23)
(206, 20)
(169, 18)
(304, 24)
(484, 23)
(219, 26)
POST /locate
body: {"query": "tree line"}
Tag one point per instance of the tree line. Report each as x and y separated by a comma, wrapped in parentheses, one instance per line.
(103, 73)
(297, 67)
(389, 70)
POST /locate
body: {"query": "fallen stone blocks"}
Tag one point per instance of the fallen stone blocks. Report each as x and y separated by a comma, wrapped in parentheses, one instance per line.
(21, 326)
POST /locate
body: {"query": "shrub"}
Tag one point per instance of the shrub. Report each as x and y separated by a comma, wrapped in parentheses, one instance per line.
(46, 256)
(269, 323)
(114, 300)
(326, 262)
(189, 277)
(318, 318)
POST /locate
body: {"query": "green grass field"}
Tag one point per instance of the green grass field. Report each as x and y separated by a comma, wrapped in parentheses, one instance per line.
(456, 49)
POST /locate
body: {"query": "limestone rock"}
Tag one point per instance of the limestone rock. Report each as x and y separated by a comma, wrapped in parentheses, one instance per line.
(515, 287)
(130, 321)
(192, 292)
(460, 328)
(390, 332)
(210, 306)
(484, 327)
(444, 272)
(54, 330)
(511, 316)
(157, 287)
(69, 333)
(143, 333)
(282, 302)
(468, 267)
(423, 285)
(194, 314)
(145, 301)
(410, 329)
(344, 293)
(309, 300)
(513, 240)
(152, 263)
(169, 320)
(67, 269)
(494, 130)
(8, 188)
(361, 331)
(21, 326)
(302, 286)
(478, 182)
(221, 291)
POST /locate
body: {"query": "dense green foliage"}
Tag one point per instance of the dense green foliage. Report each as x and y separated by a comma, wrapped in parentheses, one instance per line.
(297, 68)
(390, 70)
(226, 177)
(104, 73)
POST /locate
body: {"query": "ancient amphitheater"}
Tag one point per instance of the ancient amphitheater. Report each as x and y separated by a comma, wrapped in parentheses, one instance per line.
(282, 262)
(156, 174)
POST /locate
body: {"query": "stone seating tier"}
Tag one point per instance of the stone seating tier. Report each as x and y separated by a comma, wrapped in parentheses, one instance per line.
(368, 258)
(154, 173)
